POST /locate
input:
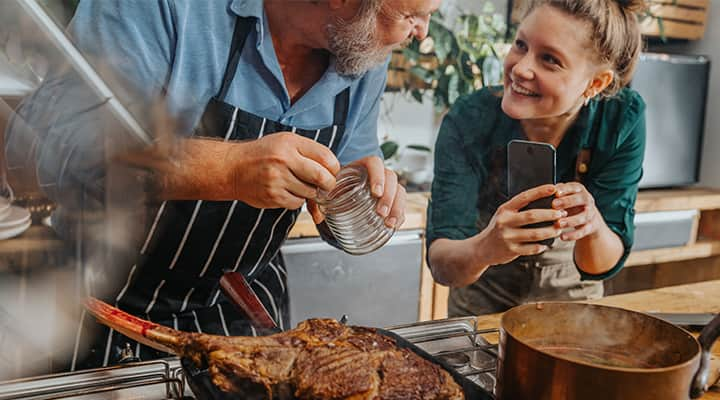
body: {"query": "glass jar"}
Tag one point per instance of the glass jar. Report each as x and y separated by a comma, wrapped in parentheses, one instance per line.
(350, 212)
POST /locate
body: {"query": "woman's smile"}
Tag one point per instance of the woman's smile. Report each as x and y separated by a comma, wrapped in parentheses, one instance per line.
(520, 90)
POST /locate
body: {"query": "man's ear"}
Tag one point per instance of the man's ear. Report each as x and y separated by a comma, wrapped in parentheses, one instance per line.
(599, 82)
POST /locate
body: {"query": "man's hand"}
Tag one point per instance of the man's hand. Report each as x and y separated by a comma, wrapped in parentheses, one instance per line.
(280, 170)
(383, 185)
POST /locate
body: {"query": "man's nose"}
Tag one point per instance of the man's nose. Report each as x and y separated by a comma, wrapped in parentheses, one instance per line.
(421, 28)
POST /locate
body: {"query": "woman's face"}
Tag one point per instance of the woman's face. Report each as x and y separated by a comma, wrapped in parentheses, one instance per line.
(550, 66)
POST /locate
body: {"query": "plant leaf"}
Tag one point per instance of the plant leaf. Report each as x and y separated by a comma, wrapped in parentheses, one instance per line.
(418, 147)
(417, 95)
(389, 149)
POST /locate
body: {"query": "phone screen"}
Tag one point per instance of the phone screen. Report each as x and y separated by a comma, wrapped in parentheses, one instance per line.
(531, 164)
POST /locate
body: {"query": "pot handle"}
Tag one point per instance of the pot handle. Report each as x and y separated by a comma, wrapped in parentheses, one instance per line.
(707, 338)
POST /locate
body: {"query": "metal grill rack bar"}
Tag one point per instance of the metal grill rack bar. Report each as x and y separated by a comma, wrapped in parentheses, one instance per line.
(165, 373)
(478, 346)
(459, 342)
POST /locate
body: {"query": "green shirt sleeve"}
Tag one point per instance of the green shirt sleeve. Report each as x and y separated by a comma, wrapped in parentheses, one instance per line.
(452, 211)
(614, 176)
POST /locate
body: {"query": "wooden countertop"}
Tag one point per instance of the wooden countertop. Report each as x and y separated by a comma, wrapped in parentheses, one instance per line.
(698, 297)
(647, 201)
(414, 217)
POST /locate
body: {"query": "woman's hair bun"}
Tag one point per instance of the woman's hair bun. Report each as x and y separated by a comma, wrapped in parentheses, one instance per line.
(632, 5)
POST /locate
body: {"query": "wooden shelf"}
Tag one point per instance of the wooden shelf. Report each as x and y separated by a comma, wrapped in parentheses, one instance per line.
(678, 199)
(701, 249)
(682, 19)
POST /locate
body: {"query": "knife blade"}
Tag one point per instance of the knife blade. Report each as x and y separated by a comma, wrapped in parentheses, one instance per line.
(237, 289)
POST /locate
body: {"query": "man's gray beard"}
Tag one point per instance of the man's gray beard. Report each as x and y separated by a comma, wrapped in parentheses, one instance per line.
(355, 45)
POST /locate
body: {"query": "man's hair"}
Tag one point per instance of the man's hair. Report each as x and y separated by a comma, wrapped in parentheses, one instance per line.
(614, 32)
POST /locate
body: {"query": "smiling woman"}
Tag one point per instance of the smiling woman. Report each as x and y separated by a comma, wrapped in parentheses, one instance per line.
(563, 85)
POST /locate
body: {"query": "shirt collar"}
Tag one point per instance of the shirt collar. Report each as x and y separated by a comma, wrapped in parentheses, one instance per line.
(332, 81)
(254, 9)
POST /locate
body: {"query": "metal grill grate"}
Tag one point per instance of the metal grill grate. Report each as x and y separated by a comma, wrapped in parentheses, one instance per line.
(457, 341)
(156, 380)
(460, 344)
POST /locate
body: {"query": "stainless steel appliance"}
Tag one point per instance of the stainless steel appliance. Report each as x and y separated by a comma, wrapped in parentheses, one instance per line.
(675, 89)
(377, 289)
(455, 340)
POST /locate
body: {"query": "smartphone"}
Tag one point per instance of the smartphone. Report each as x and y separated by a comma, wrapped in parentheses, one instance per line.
(529, 165)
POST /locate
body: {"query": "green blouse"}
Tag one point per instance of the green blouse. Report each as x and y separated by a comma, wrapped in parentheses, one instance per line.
(476, 128)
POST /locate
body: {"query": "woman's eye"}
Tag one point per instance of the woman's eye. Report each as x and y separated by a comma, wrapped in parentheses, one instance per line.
(550, 59)
(520, 44)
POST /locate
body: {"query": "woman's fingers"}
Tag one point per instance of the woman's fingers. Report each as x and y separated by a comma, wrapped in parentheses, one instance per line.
(528, 249)
(570, 201)
(579, 232)
(523, 199)
(576, 220)
(530, 235)
(533, 216)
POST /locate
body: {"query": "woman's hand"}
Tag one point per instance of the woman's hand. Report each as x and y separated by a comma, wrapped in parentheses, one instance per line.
(505, 239)
(583, 217)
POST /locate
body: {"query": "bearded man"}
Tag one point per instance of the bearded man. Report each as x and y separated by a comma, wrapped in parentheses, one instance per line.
(270, 98)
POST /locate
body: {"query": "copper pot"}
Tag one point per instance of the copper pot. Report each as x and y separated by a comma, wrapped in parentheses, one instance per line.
(574, 351)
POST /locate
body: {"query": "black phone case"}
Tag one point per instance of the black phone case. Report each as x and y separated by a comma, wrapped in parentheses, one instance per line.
(531, 164)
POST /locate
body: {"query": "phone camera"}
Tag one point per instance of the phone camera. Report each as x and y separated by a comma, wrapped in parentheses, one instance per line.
(529, 150)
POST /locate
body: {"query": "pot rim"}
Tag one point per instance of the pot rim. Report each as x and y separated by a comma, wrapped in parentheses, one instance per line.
(683, 365)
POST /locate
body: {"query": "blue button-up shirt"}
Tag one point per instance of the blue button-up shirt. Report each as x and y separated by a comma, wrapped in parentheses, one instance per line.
(176, 50)
(183, 45)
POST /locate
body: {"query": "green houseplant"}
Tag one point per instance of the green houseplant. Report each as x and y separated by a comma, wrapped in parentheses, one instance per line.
(458, 57)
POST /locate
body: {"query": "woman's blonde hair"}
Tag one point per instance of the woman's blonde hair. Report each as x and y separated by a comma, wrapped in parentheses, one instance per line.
(614, 30)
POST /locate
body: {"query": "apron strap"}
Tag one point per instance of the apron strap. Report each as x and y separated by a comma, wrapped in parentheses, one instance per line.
(242, 30)
(342, 105)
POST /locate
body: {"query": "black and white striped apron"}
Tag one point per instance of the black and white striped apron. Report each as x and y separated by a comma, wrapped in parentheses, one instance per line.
(190, 244)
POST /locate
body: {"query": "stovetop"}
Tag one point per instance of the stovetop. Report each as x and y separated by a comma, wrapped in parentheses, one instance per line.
(150, 380)
(457, 341)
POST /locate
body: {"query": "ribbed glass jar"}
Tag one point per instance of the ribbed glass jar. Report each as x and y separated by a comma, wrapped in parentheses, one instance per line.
(349, 210)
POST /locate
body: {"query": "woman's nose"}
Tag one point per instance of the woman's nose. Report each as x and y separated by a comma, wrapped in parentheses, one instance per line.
(523, 69)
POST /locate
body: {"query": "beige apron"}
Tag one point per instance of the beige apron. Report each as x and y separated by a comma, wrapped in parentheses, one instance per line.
(548, 276)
